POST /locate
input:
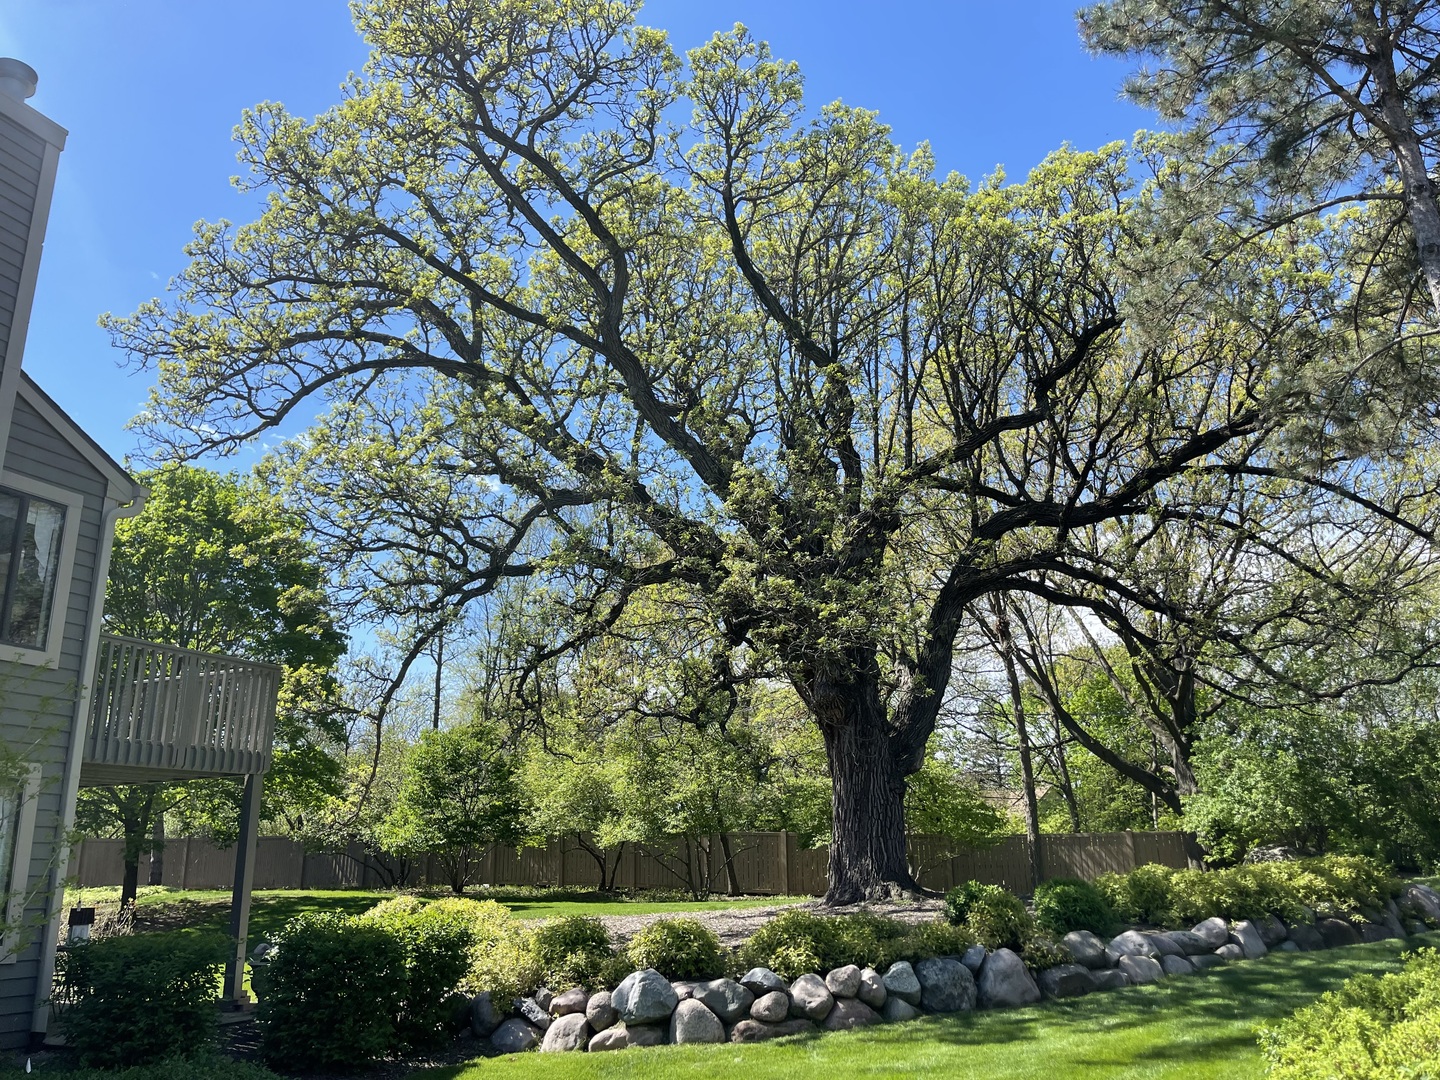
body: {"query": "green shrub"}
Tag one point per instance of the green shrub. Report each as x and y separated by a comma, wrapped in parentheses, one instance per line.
(1067, 904)
(678, 949)
(792, 944)
(438, 942)
(923, 941)
(501, 960)
(332, 993)
(1385, 1028)
(798, 942)
(570, 951)
(1141, 896)
(142, 999)
(995, 916)
(1295, 890)
(1040, 951)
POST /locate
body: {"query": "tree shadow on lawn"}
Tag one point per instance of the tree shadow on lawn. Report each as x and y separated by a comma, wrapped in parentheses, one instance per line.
(1248, 993)
(268, 912)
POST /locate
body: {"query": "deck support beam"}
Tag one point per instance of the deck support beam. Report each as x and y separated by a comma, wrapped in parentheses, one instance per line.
(235, 992)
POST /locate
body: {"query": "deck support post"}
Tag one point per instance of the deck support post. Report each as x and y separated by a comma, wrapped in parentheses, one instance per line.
(235, 993)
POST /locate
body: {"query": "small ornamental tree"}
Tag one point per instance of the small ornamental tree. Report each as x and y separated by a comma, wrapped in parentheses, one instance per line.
(460, 795)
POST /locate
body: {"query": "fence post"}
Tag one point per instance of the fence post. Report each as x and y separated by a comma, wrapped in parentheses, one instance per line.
(784, 863)
(560, 872)
(1134, 859)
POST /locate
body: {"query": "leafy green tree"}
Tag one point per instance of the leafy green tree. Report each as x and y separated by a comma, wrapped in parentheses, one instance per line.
(460, 795)
(1317, 103)
(760, 356)
(215, 564)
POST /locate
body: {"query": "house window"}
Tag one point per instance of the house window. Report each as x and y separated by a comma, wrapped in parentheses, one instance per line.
(31, 530)
(12, 800)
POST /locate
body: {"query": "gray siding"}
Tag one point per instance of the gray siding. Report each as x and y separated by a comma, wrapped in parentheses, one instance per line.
(37, 707)
(21, 155)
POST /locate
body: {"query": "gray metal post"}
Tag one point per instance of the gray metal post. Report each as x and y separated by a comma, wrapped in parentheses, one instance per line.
(240, 899)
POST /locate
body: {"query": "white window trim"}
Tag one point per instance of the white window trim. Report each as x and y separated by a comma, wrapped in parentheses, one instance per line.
(12, 943)
(74, 504)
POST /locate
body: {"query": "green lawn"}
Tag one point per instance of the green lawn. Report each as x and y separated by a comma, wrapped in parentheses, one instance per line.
(209, 909)
(1194, 1027)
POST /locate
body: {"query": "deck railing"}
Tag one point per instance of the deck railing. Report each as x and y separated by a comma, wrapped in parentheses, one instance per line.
(155, 708)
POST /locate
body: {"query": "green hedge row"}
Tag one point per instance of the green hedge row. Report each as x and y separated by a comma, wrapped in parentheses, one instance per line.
(1385, 1028)
(1296, 891)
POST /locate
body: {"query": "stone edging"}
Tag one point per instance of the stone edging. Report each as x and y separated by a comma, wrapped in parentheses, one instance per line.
(646, 1009)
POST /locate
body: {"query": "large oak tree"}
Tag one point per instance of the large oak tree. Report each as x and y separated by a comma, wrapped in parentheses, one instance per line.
(590, 314)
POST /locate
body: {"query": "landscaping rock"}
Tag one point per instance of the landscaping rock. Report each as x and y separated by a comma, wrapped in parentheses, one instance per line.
(1004, 983)
(897, 1010)
(1176, 965)
(1306, 937)
(771, 1008)
(1392, 919)
(945, 985)
(1165, 945)
(901, 982)
(1086, 948)
(850, 1013)
(726, 998)
(684, 989)
(810, 998)
(515, 1036)
(762, 981)
(1337, 932)
(1141, 969)
(1066, 980)
(1214, 932)
(1110, 979)
(612, 1038)
(543, 997)
(646, 1034)
(1230, 952)
(751, 1031)
(1190, 943)
(1422, 900)
(530, 1010)
(1130, 943)
(644, 997)
(1415, 926)
(570, 1002)
(1272, 931)
(872, 988)
(693, 1022)
(1287, 946)
(483, 1017)
(974, 958)
(1206, 960)
(1247, 935)
(600, 1013)
(844, 982)
(569, 1032)
(1370, 932)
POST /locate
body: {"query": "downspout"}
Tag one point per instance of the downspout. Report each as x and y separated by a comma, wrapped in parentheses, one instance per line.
(60, 864)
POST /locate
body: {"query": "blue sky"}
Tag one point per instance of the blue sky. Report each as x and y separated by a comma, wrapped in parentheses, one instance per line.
(150, 90)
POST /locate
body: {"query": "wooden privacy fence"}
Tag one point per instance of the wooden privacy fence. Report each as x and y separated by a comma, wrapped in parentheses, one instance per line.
(764, 863)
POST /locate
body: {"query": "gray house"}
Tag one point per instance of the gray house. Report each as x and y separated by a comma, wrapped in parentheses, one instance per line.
(78, 706)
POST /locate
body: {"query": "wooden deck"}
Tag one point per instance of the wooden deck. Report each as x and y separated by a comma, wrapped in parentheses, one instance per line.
(161, 713)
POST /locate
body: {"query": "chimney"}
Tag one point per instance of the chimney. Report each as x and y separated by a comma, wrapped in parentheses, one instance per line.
(17, 78)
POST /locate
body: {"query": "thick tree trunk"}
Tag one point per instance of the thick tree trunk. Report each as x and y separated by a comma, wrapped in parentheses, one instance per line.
(157, 852)
(130, 886)
(867, 850)
(1022, 732)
